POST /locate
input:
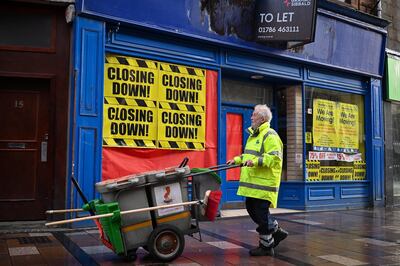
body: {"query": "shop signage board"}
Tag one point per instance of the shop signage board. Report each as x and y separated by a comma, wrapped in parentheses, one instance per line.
(285, 20)
(393, 77)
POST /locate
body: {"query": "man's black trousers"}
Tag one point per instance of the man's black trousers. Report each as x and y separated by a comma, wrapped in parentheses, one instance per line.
(258, 210)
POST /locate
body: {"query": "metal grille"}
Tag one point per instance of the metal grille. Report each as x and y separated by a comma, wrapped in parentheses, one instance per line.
(34, 240)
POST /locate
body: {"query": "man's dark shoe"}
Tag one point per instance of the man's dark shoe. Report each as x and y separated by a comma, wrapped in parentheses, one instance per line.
(262, 251)
(279, 235)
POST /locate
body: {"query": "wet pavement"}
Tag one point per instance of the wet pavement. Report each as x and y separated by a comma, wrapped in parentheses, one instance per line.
(352, 237)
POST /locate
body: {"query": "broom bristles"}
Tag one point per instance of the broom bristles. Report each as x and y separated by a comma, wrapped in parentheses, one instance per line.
(211, 201)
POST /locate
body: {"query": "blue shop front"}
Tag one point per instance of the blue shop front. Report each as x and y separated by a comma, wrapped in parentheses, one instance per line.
(157, 81)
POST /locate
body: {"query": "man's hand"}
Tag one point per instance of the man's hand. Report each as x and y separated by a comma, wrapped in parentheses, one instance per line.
(230, 162)
(248, 163)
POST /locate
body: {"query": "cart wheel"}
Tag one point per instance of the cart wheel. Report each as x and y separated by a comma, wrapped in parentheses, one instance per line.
(166, 243)
(131, 255)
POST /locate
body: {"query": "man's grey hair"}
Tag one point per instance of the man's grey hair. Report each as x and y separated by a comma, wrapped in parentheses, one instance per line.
(264, 111)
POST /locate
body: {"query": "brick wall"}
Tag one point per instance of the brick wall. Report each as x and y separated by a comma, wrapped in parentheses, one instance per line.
(362, 5)
(294, 125)
(391, 12)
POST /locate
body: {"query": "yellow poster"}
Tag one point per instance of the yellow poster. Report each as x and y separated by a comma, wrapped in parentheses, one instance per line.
(348, 127)
(360, 170)
(135, 79)
(324, 125)
(150, 104)
(180, 127)
(312, 170)
(308, 137)
(327, 173)
(182, 85)
(344, 173)
(132, 126)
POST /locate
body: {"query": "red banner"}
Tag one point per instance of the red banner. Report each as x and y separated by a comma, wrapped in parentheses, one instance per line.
(119, 162)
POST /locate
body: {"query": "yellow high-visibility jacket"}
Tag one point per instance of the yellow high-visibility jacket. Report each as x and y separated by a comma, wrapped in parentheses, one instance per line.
(265, 149)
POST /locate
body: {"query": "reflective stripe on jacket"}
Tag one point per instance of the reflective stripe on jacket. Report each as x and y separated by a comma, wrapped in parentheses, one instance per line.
(265, 149)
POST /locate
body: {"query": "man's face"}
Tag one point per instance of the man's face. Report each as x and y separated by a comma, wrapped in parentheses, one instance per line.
(256, 120)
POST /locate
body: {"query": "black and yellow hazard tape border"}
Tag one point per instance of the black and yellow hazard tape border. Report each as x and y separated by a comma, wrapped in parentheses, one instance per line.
(181, 107)
(131, 61)
(145, 63)
(182, 69)
(140, 143)
(129, 102)
(129, 143)
(180, 145)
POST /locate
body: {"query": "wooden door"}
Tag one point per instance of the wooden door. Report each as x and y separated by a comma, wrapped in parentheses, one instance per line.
(25, 149)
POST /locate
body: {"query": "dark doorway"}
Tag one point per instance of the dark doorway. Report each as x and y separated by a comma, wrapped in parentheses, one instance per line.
(34, 100)
(25, 151)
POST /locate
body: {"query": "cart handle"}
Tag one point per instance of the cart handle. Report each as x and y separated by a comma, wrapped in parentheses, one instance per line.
(124, 212)
(217, 166)
(215, 169)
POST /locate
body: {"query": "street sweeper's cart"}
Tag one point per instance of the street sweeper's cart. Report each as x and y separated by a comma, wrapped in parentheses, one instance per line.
(151, 210)
(158, 231)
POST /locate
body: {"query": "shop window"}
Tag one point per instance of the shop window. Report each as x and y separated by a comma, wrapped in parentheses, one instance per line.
(335, 140)
(26, 29)
(245, 92)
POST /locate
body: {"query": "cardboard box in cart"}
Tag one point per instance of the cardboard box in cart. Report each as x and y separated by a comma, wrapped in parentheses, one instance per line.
(143, 190)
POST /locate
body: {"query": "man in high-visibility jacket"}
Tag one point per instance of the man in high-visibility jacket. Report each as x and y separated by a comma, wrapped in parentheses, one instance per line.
(260, 178)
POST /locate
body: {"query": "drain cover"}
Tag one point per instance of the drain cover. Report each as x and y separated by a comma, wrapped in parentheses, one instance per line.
(34, 240)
